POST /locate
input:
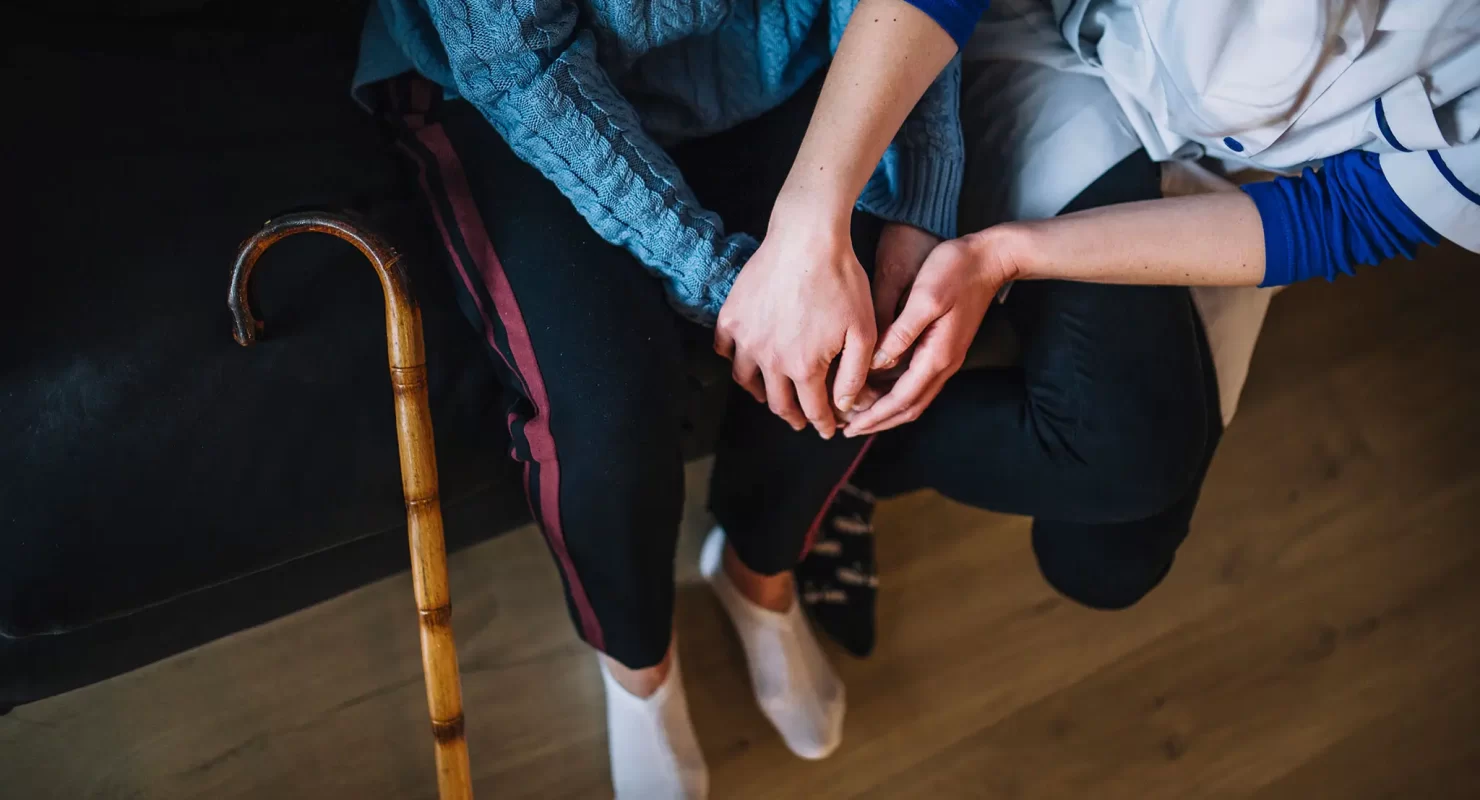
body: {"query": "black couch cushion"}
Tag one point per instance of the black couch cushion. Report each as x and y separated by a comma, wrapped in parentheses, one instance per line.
(146, 455)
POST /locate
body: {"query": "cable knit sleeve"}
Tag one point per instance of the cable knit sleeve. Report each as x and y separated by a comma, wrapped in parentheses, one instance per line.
(528, 68)
(918, 181)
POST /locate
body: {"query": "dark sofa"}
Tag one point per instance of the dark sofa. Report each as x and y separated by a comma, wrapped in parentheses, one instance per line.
(162, 486)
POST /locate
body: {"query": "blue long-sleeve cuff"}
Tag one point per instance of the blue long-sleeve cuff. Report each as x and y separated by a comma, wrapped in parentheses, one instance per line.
(958, 17)
(1324, 223)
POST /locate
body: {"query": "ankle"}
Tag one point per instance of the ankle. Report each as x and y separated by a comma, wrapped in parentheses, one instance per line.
(771, 592)
(643, 682)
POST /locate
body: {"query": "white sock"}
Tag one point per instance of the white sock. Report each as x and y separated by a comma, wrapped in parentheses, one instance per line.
(655, 754)
(794, 683)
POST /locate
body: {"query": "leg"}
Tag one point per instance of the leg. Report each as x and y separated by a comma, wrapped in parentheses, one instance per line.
(1131, 457)
(1086, 430)
(738, 173)
(591, 358)
(766, 540)
(1112, 566)
(1104, 434)
(591, 355)
(1110, 419)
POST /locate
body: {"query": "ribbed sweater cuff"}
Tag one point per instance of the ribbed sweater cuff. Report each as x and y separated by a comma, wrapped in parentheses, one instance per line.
(924, 191)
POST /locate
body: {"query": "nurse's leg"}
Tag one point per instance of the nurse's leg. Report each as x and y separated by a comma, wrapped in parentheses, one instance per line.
(1036, 136)
(1103, 433)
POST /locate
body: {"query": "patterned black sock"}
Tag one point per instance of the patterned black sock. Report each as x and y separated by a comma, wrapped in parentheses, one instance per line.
(837, 581)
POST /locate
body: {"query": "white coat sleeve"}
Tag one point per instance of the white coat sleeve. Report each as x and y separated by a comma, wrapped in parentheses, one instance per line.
(1442, 187)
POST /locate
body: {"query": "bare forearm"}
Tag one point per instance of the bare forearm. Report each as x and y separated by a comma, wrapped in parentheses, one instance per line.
(1210, 239)
(889, 54)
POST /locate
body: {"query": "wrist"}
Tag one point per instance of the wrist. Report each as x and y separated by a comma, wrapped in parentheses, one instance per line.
(1004, 252)
(809, 221)
(816, 206)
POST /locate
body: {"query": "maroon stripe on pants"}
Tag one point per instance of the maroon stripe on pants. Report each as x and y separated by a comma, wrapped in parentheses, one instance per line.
(469, 224)
(832, 495)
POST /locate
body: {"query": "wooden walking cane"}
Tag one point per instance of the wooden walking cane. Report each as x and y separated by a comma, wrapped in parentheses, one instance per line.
(418, 467)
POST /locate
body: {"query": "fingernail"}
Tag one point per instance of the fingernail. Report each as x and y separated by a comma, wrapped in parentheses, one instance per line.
(825, 435)
(849, 433)
(797, 427)
(845, 403)
(881, 360)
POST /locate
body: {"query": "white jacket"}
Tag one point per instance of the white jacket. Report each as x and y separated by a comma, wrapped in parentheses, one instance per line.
(1273, 84)
(1277, 84)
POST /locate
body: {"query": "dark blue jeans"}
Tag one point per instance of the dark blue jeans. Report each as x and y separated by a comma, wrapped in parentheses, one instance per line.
(1102, 433)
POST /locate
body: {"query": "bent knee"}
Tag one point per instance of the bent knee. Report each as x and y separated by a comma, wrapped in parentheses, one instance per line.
(1105, 567)
(1150, 481)
(1109, 590)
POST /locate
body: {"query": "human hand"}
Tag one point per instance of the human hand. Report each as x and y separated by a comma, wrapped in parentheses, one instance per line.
(902, 251)
(801, 301)
(944, 308)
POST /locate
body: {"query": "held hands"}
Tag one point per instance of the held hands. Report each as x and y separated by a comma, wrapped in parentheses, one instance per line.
(801, 301)
(942, 311)
(902, 250)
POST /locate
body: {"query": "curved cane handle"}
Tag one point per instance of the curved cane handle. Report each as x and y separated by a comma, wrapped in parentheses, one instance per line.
(418, 466)
(402, 316)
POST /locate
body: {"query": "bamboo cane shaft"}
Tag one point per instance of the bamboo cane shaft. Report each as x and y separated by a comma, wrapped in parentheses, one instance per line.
(407, 356)
(429, 578)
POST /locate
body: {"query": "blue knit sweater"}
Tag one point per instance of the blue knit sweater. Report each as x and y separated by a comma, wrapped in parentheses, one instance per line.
(589, 92)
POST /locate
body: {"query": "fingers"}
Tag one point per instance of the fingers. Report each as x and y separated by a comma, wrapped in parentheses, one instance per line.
(853, 366)
(812, 393)
(910, 413)
(724, 343)
(910, 388)
(748, 374)
(931, 366)
(745, 371)
(797, 394)
(863, 402)
(920, 310)
(902, 252)
(781, 396)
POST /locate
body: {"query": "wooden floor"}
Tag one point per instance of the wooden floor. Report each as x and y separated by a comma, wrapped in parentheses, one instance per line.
(1319, 637)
